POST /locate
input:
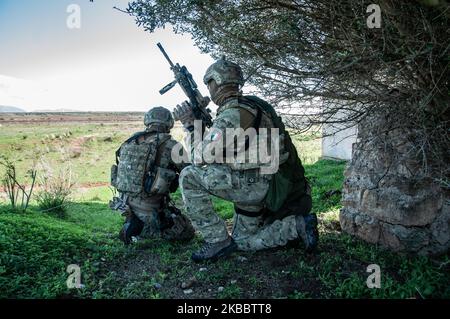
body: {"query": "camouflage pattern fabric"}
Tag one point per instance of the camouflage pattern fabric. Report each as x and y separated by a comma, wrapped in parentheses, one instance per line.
(224, 72)
(135, 160)
(146, 209)
(181, 229)
(250, 233)
(198, 183)
(229, 181)
(159, 115)
(229, 116)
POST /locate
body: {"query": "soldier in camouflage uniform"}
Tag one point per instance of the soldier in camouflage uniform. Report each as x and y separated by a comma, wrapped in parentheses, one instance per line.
(270, 209)
(144, 175)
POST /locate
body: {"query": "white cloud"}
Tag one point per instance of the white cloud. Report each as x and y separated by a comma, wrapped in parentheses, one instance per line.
(20, 93)
(127, 78)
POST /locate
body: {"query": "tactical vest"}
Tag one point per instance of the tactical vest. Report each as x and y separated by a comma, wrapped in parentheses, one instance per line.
(289, 184)
(136, 170)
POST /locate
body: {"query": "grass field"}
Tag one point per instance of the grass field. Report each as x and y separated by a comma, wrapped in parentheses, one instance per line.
(36, 247)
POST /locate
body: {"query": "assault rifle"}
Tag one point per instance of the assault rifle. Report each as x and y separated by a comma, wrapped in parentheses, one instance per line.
(187, 83)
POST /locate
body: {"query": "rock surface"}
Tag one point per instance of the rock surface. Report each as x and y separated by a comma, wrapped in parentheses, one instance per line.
(389, 199)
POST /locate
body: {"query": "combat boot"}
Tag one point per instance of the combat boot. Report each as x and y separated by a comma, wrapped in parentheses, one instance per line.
(132, 227)
(307, 231)
(214, 251)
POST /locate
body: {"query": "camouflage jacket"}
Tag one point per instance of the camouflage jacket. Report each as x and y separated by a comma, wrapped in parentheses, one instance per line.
(219, 147)
(146, 167)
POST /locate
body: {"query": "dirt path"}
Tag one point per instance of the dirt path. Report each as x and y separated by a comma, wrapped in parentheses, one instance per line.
(79, 117)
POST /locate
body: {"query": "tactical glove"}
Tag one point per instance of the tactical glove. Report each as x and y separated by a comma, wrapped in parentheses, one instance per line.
(185, 114)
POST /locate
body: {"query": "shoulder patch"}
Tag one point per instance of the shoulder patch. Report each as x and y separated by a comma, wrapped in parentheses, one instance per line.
(216, 135)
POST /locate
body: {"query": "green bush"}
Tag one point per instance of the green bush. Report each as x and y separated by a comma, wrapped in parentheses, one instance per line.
(17, 193)
(35, 250)
(55, 189)
(53, 202)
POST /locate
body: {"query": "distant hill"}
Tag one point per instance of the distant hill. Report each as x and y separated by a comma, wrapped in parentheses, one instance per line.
(11, 109)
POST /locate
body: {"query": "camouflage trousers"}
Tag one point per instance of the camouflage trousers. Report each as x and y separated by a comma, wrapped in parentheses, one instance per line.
(146, 209)
(247, 193)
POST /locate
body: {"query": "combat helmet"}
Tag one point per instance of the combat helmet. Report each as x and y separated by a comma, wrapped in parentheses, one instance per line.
(224, 72)
(159, 115)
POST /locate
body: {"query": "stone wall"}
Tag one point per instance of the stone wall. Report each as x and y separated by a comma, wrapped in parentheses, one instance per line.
(389, 199)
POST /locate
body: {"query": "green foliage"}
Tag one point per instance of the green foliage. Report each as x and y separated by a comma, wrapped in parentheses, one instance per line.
(325, 176)
(55, 188)
(223, 208)
(231, 291)
(85, 148)
(18, 195)
(36, 248)
(321, 61)
(309, 146)
(298, 295)
(53, 203)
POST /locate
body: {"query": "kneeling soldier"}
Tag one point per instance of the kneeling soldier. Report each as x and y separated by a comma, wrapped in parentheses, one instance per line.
(144, 175)
(271, 209)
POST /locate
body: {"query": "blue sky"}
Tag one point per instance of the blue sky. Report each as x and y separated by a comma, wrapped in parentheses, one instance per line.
(107, 64)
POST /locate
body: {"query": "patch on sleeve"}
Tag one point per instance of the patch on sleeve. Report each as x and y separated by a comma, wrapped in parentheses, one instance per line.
(216, 135)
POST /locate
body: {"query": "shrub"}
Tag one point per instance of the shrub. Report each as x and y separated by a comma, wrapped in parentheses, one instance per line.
(55, 188)
(17, 193)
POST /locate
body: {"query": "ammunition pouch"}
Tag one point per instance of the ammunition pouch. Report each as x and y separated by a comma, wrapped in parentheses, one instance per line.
(160, 183)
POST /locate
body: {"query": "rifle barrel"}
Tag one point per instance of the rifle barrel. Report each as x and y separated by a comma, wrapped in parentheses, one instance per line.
(164, 53)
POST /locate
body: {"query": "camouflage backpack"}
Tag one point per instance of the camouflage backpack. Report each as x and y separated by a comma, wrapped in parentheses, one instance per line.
(288, 185)
(134, 173)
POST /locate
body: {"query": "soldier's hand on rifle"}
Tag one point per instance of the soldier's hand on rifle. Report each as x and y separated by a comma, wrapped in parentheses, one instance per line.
(185, 114)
